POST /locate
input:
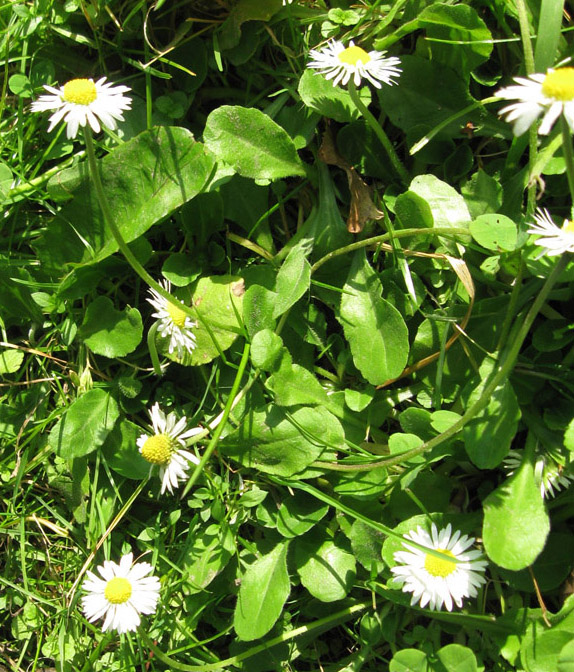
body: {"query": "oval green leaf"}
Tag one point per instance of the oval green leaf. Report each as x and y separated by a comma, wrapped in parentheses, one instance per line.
(252, 143)
(264, 589)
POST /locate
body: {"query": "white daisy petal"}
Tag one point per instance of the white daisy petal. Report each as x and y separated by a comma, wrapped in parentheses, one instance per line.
(552, 472)
(338, 63)
(434, 581)
(166, 447)
(126, 592)
(81, 101)
(556, 240)
(548, 95)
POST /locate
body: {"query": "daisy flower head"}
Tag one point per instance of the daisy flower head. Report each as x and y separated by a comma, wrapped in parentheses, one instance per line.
(174, 323)
(83, 101)
(340, 63)
(549, 95)
(554, 239)
(121, 595)
(550, 475)
(435, 581)
(165, 448)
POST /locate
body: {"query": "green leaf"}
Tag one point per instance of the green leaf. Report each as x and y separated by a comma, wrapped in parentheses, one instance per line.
(515, 521)
(457, 658)
(299, 513)
(482, 193)
(330, 101)
(447, 206)
(145, 180)
(428, 94)
(208, 553)
(122, 453)
(566, 658)
(20, 86)
(242, 11)
(110, 332)
(494, 232)
(293, 278)
(375, 330)
(91, 418)
(10, 361)
(487, 437)
(293, 384)
(325, 569)
(467, 42)
(281, 443)
(264, 589)
(252, 143)
(366, 544)
(266, 348)
(409, 660)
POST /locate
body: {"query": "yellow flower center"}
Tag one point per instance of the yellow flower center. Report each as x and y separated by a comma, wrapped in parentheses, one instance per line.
(118, 590)
(80, 91)
(352, 55)
(568, 226)
(559, 84)
(439, 567)
(158, 449)
(177, 315)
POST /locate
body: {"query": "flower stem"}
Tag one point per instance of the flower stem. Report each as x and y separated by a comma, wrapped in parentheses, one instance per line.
(380, 133)
(231, 401)
(568, 155)
(109, 220)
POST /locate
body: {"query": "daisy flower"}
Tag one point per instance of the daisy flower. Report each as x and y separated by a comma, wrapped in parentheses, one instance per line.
(434, 581)
(549, 95)
(164, 448)
(173, 322)
(340, 64)
(555, 239)
(121, 595)
(82, 101)
(549, 474)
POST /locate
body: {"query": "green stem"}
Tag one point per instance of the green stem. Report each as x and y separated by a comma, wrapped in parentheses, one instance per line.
(533, 131)
(507, 361)
(568, 155)
(231, 401)
(121, 243)
(280, 639)
(380, 133)
(384, 237)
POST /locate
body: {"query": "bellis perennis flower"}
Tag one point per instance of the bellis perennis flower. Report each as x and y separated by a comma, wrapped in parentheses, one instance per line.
(340, 64)
(83, 101)
(553, 239)
(165, 447)
(173, 322)
(550, 475)
(121, 595)
(435, 581)
(549, 95)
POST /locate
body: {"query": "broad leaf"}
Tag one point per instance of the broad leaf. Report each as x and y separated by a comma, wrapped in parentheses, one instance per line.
(515, 521)
(252, 143)
(375, 329)
(325, 569)
(293, 279)
(282, 443)
(85, 425)
(487, 437)
(110, 332)
(145, 180)
(264, 589)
